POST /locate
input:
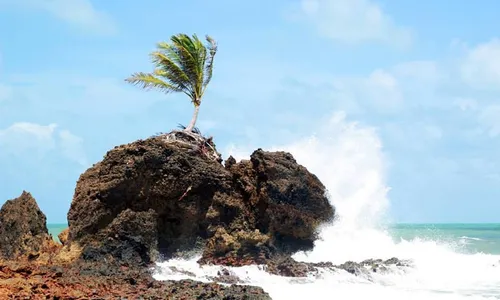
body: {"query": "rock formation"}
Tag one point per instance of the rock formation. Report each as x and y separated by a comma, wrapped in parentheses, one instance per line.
(154, 198)
(23, 229)
(29, 268)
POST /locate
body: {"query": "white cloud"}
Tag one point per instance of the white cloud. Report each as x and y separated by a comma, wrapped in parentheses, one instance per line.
(389, 90)
(481, 67)
(80, 13)
(72, 147)
(489, 117)
(24, 136)
(466, 103)
(26, 139)
(353, 21)
(5, 92)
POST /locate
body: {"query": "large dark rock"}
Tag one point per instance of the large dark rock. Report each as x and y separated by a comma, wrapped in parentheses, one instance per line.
(156, 198)
(23, 228)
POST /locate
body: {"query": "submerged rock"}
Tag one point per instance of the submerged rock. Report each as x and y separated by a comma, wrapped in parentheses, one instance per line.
(226, 276)
(155, 199)
(23, 229)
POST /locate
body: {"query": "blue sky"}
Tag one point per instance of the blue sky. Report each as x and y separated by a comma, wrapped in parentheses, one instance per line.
(410, 91)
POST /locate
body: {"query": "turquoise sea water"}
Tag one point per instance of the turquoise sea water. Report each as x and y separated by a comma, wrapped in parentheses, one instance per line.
(467, 238)
(56, 228)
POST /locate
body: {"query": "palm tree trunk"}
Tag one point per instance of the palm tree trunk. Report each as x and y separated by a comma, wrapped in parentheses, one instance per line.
(193, 120)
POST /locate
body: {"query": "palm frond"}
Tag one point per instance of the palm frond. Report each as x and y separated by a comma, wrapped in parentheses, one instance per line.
(148, 81)
(166, 68)
(184, 48)
(212, 50)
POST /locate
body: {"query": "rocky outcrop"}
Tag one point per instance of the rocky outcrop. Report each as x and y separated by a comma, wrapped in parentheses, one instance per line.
(155, 199)
(23, 229)
(288, 267)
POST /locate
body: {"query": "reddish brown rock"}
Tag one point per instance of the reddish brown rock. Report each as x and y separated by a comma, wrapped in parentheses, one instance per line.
(101, 281)
(63, 236)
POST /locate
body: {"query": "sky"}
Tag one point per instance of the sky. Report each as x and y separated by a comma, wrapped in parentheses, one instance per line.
(393, 104)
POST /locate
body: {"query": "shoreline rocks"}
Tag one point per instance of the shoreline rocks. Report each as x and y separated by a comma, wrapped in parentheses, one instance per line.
(166, 196)
(289, 267)
(104, 281)
(33, 266)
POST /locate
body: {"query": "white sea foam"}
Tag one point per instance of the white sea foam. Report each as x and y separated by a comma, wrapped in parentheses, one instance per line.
(470, 238)
(348, 159)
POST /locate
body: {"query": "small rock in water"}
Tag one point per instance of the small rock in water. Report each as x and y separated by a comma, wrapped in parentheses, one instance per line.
(226, 276)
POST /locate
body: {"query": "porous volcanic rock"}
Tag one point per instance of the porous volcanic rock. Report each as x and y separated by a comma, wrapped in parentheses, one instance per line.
(23, 229)
(157, 198)
(289, 202)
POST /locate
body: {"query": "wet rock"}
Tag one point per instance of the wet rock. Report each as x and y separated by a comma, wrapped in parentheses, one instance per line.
(353, 268)
(289, 267)
(23, 229)
(226, 276)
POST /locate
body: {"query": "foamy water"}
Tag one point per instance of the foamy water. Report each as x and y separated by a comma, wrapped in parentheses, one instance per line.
(348, 159)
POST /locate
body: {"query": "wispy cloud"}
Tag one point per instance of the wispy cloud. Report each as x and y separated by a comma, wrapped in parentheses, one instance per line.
(80, 13)
(481, 66)
(23, 139)
(352, 21)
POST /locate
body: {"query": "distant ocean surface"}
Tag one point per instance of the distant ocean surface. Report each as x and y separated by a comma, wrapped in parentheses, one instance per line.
(56, 228)
(465, 238)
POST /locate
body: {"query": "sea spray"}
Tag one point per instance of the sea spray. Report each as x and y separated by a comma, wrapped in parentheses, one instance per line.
(348, 159)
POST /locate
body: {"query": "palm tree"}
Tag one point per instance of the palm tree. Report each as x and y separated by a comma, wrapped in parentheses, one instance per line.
(184, 65)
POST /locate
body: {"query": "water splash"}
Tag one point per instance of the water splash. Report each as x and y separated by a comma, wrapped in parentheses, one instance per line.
(347, 157)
